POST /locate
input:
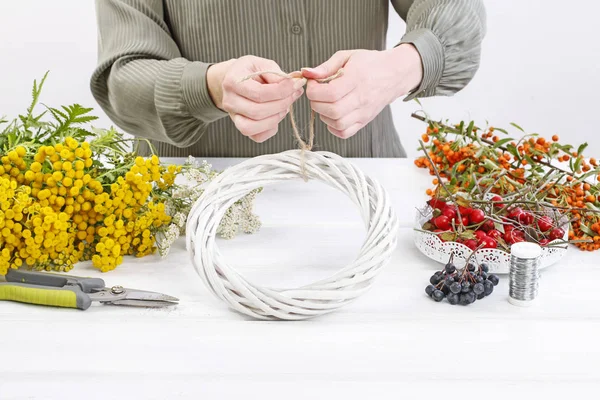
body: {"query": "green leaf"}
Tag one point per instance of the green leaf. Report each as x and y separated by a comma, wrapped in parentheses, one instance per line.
(501, 142)
(58, 115)
(501, 130)
(512, 149)
(577, 166)
(490, 165)
(587, 230)
(581, 148)
(35, 93)
(530, 160)
(470, 128)
(591, 206)
(428, 226)
(468, 234)
(499, 226)
(461, 201)
(518, 127)
(448, 236)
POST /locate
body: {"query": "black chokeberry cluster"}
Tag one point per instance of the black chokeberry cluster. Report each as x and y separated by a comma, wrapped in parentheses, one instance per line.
(461, 286)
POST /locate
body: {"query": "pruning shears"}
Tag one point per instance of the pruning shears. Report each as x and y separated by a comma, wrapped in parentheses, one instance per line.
(74, 292)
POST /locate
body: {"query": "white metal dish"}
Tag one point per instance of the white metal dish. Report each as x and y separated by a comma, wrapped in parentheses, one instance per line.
(497, 260)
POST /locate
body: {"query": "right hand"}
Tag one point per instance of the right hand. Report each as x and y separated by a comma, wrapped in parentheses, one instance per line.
(257, 105)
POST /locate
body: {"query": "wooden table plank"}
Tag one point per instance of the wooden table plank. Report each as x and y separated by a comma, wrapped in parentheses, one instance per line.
(393, 341)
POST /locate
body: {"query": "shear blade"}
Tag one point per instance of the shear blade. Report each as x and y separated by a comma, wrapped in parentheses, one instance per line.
(142, 303)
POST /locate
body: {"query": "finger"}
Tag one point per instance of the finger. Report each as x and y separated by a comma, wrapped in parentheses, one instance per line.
(258, 111)
(264, 136)
(345, 122)
(265, 92)
(329, 67)
(250, 127)
(346, 133)
(332, 91)
(337, 110)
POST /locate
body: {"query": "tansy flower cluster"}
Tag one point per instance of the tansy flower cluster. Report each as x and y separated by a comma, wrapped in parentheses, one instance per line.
(56, 210)
(68, 194)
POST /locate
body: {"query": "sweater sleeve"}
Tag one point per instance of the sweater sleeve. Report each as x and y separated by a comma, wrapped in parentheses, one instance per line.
(142, 82)
(448, 35)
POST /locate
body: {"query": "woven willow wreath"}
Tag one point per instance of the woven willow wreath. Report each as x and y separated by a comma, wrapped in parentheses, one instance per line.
(319, 297)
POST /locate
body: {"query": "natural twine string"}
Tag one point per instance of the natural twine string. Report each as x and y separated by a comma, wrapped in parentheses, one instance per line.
(304, 145)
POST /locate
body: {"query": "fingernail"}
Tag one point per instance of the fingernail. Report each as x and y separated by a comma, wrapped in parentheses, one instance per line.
(299, 83)
(312, 70)
(298, 93)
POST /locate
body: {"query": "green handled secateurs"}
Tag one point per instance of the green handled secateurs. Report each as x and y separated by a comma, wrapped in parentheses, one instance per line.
(74, 292)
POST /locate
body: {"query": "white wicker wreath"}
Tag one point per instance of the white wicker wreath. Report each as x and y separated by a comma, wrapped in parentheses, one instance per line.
(314, 299)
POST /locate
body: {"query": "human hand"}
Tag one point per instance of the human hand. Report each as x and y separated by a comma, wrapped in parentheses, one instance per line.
(256, 105)
(370, 81)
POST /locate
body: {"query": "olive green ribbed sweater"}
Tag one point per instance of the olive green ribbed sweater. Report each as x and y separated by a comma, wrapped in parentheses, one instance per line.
(153, 57)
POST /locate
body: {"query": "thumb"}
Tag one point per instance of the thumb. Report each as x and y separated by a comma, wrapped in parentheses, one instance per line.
(329, 67)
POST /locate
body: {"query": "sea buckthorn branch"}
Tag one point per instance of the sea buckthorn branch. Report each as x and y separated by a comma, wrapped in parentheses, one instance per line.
(466, 161)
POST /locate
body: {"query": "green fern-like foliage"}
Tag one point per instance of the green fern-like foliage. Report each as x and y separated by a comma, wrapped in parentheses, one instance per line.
(53, 124)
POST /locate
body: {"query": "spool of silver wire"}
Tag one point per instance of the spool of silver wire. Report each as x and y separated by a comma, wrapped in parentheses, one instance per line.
(524, 273)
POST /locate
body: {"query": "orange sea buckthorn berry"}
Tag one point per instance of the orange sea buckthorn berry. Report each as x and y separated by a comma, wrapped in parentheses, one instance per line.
(555, 138)
(590, 198)
(541, 141)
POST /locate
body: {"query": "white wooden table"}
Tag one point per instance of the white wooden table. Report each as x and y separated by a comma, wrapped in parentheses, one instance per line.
(393, 342)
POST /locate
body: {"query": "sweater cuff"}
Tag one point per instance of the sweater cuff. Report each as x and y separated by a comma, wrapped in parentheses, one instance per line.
(432, 54)
(196, 95)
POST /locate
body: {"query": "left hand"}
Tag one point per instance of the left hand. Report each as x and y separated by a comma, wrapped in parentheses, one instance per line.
(371, 80)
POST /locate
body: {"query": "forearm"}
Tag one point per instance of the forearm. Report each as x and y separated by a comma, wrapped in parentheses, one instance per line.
(448, 36)
(145, 86)
(160, 100)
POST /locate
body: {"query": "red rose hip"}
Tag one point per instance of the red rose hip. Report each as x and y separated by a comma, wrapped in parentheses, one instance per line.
(477, 216)
(557, 233)
(494, 234)
(515, 212)
(471, 244)
(545, 223)
(525, 218)
(442, 222)
(449, 212)
(490, 243)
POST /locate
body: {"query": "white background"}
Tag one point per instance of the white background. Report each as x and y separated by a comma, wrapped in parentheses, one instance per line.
(539, 66)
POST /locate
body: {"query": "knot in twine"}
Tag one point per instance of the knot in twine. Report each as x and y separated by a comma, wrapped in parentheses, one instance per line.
(303, 145)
